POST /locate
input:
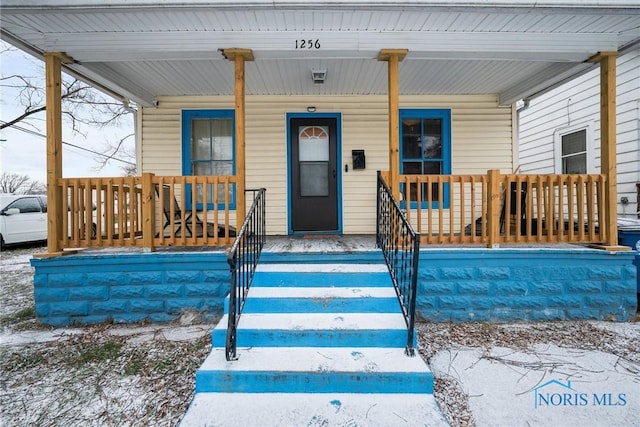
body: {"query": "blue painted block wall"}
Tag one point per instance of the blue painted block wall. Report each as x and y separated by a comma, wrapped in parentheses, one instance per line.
(453, 285)
(128, 288)
(521, 284)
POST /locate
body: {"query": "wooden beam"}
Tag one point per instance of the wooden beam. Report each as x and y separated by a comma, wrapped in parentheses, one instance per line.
(239, 56)
(608, 160)
(393, 57)
(232, 53)
(55, 203)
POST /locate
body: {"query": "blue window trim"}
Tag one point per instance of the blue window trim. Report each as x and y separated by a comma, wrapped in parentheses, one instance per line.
(187, 116)
(338, 117)
(431, 113)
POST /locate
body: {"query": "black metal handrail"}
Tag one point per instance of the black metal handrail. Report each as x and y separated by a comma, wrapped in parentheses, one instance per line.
(243, 259)
(400, 245)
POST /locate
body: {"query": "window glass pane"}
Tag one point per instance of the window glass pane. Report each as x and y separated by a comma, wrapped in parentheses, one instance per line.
(222, 168)
(222, 139)
(26, 205)
(432, 140)
(202, 168)
(313, 143)
(411, 137)
(314, 179)
(575, 164)
(412, 168)
(575, 142)
(432, 168)
(200, 139)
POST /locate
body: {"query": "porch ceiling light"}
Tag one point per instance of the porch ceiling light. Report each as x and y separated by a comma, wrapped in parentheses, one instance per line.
(318, 75)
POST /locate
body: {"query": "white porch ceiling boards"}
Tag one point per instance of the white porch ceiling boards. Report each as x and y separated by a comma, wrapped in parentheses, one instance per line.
(142, 49)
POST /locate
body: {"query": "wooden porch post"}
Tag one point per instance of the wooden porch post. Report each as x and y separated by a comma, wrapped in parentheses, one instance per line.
(393, 57)
(55, 204)
(239, 56)
(608, 160)
(493, 208)
(148, 212)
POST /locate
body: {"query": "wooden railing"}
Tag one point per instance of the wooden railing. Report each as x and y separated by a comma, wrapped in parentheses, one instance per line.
(148, 211)
(495, 208)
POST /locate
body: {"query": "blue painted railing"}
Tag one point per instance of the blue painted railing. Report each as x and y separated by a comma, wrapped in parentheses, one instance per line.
(400, 245)
(243, 259)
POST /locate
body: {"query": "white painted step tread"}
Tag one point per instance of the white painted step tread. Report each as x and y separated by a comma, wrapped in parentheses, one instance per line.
(313, 359)
(319, 321)
(325, 292)
(322, 268)
(301, 409)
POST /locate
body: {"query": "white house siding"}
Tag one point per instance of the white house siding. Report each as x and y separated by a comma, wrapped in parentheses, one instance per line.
(481, 140)
(577, 103)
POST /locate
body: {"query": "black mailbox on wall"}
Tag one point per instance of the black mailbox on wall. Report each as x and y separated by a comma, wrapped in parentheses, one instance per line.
(358, 159)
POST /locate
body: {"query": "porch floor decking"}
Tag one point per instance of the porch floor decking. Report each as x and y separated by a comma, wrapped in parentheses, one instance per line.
(321, 243)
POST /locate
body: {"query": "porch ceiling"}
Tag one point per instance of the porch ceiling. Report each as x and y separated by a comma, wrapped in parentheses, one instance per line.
(144, 49)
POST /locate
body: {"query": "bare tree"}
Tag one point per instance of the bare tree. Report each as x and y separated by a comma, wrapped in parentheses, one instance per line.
(15, 183)
(82, 106)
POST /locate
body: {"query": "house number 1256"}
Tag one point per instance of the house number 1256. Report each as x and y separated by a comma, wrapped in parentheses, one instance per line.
(308, 44)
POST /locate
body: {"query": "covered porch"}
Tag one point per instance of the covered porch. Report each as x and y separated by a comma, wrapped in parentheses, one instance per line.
(415, 55)
(309, 102)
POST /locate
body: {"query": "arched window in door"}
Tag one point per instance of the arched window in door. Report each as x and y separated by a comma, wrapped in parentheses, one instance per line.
(314, 160)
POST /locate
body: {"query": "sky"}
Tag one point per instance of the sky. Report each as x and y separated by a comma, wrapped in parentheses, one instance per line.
(25, 153)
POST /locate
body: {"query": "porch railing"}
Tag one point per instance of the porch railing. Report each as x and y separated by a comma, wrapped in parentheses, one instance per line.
(148, 211)
(243, 259)
(400, 245)
(496, 208)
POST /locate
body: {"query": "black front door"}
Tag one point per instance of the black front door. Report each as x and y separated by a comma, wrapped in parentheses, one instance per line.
(314, 183)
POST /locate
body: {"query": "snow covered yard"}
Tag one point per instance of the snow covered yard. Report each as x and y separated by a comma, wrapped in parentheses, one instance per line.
(105, 375)
(486, 374)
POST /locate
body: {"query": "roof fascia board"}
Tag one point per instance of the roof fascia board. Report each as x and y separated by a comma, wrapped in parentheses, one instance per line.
(304, 4)
(104, 76)
(551, 77)
(68, 68)
(105, 47)
(635, 45)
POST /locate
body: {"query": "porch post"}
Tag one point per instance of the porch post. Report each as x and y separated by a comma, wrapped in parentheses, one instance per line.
(608, 160)
(239, 56)
(393, 57)
(148, 212)
(53, 74)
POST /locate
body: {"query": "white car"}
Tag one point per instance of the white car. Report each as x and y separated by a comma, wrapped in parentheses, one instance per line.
(23, 219)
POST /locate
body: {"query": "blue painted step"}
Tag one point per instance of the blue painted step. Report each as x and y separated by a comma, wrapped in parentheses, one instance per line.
(316, 330)
(312, 370)
(319, 279)
(358, 257)
(319, 300)
(311, 305)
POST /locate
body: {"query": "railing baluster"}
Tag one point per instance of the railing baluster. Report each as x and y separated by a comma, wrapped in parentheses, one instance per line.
(243, 260)
(400, 245)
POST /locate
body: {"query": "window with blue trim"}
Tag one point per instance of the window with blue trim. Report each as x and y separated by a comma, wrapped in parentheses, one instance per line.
(425, 149)
(208, 148)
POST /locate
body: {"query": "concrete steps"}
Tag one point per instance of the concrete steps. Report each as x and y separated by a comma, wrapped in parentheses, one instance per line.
(313, 410)
(319, 343)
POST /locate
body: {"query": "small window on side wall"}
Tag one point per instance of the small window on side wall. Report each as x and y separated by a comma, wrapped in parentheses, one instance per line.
(208, 148)
(573, 150)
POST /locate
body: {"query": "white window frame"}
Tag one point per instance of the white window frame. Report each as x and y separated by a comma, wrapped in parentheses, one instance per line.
(557, 144)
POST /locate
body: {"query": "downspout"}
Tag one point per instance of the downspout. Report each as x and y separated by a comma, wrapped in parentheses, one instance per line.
(515, 118)
(137, 132)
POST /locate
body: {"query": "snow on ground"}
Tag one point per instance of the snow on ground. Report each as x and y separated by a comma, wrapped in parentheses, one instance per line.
(131, 375)
(544, 386)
